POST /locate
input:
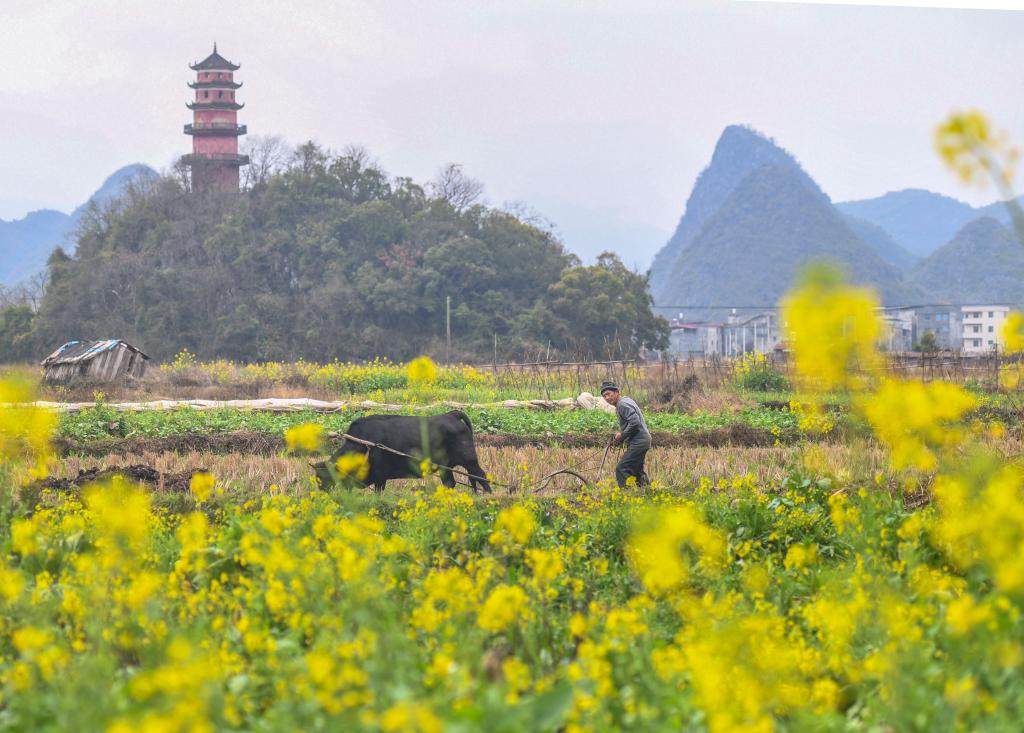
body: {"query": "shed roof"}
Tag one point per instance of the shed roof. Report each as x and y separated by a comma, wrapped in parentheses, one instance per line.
(79, 351)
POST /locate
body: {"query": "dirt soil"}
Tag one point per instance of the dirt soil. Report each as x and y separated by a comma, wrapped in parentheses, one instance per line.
(140, 473)
(238, 442)
(254, 443)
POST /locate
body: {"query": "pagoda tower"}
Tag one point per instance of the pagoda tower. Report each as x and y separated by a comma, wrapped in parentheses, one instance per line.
(215, 160)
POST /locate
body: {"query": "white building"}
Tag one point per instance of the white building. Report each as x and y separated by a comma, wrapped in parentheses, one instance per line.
(898, 326)
(689, 340)
(982, 327)
(744, 334)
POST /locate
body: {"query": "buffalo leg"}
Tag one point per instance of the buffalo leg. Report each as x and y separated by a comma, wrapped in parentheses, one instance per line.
(379, 486)
(448, 478)
(477, 477)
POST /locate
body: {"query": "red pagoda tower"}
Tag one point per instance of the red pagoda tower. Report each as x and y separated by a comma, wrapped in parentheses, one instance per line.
(215, 160)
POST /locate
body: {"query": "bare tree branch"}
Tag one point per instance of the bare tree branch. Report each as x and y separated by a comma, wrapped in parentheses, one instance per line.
(268, 154)
(452, 185)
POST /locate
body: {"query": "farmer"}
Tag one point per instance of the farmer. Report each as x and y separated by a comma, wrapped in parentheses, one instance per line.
(633, 432)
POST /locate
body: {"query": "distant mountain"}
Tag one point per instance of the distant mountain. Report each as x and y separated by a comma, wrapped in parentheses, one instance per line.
(739, 151)
(918, 220)
(753, 219)
(998, 211)
(750, 249)
(984, 263)
(26, 243)
(884, 245)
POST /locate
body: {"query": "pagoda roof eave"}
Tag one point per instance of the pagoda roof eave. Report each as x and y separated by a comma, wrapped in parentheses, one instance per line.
(214, 61)
(215, 105)
(214, 84)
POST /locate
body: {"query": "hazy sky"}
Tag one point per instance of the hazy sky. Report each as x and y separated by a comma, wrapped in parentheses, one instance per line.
(597, 115)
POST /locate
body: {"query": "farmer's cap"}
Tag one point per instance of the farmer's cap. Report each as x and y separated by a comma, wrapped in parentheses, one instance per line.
(608, 386)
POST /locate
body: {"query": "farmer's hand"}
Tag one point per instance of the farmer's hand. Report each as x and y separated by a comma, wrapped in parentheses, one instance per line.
(617, 439)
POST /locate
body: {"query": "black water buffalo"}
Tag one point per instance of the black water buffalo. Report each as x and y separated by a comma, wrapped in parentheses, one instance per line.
(447, 440)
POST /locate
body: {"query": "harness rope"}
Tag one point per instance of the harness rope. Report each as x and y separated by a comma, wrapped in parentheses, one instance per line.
(538, 485)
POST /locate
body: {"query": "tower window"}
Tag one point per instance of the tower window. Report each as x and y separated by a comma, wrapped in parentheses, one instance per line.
(220, 95)
(206, 95)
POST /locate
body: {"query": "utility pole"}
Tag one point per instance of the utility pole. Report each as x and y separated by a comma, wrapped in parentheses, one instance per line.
(448, 330)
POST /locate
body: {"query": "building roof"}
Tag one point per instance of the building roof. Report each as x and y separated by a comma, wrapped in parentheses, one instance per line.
(214, 61)
(79, 351)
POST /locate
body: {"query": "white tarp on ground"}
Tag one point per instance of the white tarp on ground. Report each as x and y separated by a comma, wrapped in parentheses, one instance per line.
(585, 401)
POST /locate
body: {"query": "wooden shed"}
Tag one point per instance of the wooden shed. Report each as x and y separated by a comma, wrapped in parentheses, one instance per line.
(99, 361)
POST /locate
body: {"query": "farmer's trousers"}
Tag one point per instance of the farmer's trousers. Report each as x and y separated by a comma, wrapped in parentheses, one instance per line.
(632, 463)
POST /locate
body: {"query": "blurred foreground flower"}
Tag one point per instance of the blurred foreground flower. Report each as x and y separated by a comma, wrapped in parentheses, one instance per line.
(24, 429)
(974, 151)
(202, 485)
(352, 465)
(833, 329)
(915, 419)
(306, 437)
(421, 371)
(1013, 332)
(657, 550)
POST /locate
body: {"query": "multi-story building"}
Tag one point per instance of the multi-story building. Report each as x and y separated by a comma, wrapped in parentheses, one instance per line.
(744, 334)
(690, 340)
(898, 329)
(982, 327)
(944, 323)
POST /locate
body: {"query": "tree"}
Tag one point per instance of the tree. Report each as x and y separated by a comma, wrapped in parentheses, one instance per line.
(16, 339)
(268, 155)
(451, 184)
(929, 344)
(600, 311)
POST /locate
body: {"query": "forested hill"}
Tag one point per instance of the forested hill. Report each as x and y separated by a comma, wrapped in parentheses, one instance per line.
(331, 258)
(984, 263)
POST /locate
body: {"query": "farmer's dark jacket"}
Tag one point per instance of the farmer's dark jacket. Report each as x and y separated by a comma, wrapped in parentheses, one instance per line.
(631, 423)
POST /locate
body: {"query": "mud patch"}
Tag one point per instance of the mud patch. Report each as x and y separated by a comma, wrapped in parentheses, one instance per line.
(139, 473)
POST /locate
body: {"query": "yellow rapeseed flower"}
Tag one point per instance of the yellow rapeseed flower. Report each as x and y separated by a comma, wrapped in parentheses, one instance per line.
(202, 485)
(306, 437)
(1013, 332)
(504, 607)
(915, 420)
(28, 639)
(121, 511)
(513, 526)
(421, 371)
(352, 466)
(410, 717)
(25, 430)
(655, 550)
(970, 147)
(832, 327)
